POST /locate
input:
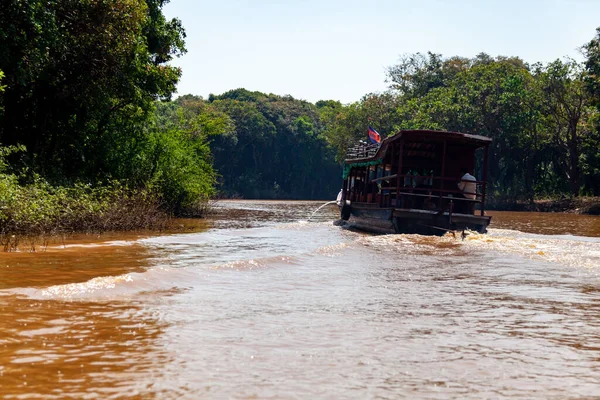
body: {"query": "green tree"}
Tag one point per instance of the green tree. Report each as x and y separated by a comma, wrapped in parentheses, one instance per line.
(484, 96)
(346, 125)
(565, 107)
(79, 71)
(591, 51)
(276, 149)
(417, 74)
(591, 143)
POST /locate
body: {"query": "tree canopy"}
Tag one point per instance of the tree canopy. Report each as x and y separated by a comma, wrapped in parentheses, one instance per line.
(276, 149)
(78, 73)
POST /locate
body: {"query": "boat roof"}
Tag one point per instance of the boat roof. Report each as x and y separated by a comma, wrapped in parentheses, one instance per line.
(425, 135)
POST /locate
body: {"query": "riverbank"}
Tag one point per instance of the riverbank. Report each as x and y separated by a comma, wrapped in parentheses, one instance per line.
(35, 213)
(574, 205)
(35, 217)
(31, 207)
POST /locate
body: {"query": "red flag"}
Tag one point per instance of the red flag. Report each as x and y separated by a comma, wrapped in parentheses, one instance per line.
(374, 136)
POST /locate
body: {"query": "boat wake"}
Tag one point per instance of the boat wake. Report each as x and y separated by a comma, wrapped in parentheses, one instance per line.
(181, 262)
(571, 251)
(108, 288)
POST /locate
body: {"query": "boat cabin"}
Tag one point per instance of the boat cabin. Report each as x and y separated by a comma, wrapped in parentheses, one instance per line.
(411, 183)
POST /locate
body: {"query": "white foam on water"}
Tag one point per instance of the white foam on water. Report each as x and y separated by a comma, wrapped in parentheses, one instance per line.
(569, 250)
(261, 263)
(163, 278)
(111, 287)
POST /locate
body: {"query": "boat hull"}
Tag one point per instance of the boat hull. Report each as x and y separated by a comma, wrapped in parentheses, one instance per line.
(413, 221)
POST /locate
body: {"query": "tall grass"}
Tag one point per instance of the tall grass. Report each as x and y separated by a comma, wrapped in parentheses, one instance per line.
(36, 208)
(39, 209)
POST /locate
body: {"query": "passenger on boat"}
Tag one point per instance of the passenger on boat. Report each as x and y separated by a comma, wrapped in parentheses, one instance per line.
(468, 188)
(467, 184)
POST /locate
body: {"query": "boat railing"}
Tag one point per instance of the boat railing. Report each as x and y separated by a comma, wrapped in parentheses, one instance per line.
(436, 195)
(418, 191)
(361, 150)
(427, 183)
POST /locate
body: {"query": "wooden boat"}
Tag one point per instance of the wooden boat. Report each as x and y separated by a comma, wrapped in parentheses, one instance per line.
(409, 184)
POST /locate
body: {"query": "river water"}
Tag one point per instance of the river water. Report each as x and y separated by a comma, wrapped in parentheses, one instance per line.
(265, 302)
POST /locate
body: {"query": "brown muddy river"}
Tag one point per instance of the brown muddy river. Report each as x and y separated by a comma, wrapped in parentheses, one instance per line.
(266, 302)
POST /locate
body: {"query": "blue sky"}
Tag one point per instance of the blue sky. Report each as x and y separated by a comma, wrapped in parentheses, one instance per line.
(332, 49)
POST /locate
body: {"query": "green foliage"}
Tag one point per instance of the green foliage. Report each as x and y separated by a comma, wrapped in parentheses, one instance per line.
(38, 208)
(4, 153)
(591, 142)
(346, 125)
(275, 148)
(495, 99)
(85, 88)
(168, 152)
(417, 74)
(592, 65)
(181, 160)
(567, 113)
(526, 114)
(93, 68)
(85, 102)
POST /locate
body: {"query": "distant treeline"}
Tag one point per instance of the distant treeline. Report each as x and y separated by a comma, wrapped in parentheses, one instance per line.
(85, 103)
(272, 148)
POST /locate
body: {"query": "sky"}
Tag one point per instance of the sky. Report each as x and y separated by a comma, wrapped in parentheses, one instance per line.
(334, 49)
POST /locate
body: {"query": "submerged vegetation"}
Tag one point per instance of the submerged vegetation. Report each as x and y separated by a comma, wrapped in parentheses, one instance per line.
(91, 140)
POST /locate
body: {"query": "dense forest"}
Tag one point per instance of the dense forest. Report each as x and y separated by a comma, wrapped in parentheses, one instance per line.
(273, 147)
(88, 123)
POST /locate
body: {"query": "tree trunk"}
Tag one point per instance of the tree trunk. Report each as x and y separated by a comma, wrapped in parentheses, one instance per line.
(574, 170)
